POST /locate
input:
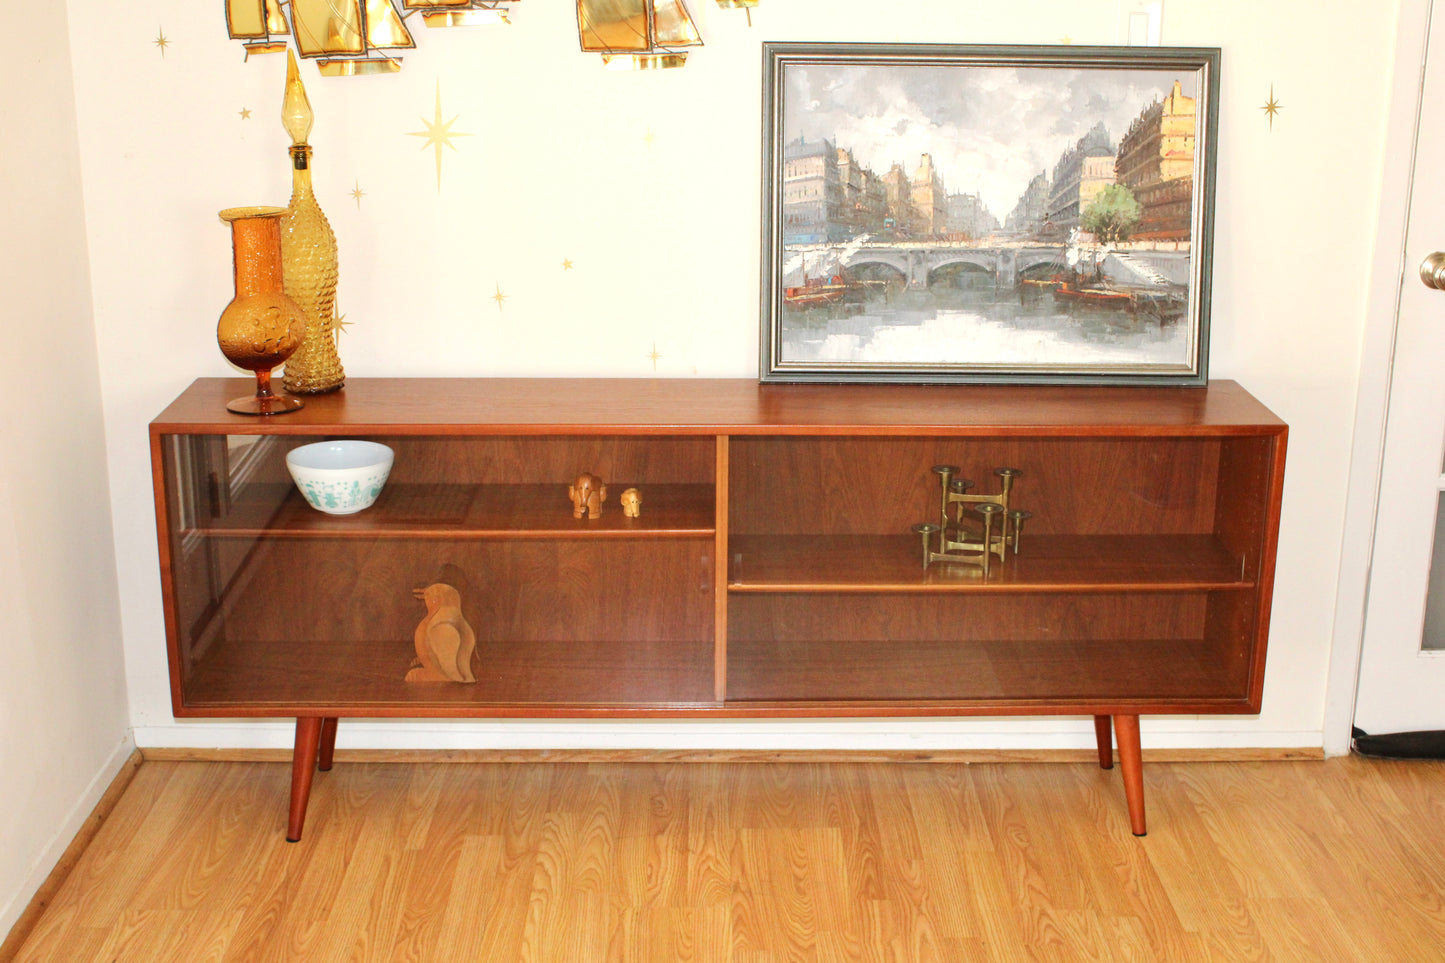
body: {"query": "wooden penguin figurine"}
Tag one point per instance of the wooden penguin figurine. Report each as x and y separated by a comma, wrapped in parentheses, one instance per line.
(444, 641)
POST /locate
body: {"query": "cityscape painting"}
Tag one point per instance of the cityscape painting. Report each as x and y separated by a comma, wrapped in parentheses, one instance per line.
(987, 214)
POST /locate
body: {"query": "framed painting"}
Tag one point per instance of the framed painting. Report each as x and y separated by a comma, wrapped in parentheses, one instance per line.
(987, 214)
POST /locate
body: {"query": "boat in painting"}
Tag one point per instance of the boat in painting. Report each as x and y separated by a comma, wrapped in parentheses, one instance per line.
(1088, 275)
(1098, 292)
(1102, 291)
(815, 291)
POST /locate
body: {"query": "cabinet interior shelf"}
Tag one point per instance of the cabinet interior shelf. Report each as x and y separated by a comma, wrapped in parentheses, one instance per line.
(888, 675)
(592, 673)
(1046, 563)
(1045, 671)
(455, 511)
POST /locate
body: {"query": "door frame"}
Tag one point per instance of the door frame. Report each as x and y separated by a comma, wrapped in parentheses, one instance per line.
(1388, 271)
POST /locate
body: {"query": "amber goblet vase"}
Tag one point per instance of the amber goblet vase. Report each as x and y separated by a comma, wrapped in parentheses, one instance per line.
(261, 327)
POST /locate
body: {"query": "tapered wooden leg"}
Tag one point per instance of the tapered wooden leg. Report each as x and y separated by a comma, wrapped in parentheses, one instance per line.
(1104, 733)
(303, 767)
(1131, 760)
(328, 744)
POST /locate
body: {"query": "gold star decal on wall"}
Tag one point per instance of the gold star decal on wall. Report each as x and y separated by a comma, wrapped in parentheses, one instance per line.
(1066, 40)
(1271, 107)
(438, 134)
(338, 325)
(161, 40)
(653, 355)
(245, 113)
(357, 194)
(566, 264)
(649, 138)
(499, 297)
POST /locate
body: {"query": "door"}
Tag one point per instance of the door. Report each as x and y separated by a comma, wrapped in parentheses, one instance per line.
(1402, 660)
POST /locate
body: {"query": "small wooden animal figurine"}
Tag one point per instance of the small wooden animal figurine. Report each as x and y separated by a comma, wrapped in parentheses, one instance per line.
(444, 641)
(587, 494)
(631, 501)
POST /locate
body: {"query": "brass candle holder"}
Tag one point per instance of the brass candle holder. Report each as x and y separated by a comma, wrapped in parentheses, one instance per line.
(995, 530)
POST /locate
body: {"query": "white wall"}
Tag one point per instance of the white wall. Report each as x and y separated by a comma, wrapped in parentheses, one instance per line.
(64, 730)
(649, 184)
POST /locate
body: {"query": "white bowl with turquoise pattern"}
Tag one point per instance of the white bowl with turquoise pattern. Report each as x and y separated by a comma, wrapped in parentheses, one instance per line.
(340, 477)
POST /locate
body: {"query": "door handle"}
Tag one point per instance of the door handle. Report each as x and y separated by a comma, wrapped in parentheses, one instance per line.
(1432, 271)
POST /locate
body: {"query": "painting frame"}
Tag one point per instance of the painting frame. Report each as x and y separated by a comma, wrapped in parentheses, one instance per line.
(822, 200)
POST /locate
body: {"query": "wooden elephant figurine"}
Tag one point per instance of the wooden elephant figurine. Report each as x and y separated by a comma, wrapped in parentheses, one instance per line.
(631, 502)
(587, 494)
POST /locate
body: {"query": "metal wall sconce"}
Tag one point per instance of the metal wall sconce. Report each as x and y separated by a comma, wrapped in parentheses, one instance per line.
(349, 37)
(637, 34)
(744, 5)
(459, 13)
(261, 23)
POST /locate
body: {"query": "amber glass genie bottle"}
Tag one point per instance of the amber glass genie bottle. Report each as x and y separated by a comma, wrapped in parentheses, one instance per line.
(308, 252)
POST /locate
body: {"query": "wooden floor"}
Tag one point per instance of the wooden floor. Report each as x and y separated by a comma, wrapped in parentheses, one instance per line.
(1337, 860)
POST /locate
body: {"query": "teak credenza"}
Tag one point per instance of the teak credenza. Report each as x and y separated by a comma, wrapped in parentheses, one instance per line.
(772, 571)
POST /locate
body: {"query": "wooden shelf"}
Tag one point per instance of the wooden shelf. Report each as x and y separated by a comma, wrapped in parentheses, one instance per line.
(289, 678)
(1193, 674)
(653, 406)
(1046, 563)
(570, 678)
(452, 512)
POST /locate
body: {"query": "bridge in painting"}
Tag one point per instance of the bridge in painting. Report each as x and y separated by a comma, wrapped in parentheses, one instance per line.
(917, 261)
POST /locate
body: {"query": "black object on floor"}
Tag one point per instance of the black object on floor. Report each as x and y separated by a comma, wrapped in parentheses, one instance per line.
(1401, 745)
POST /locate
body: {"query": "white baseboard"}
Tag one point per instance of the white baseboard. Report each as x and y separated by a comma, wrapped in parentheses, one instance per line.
(900, 735)
(64, 832)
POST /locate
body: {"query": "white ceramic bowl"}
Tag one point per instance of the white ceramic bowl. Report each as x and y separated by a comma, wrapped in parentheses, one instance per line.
(340, 477)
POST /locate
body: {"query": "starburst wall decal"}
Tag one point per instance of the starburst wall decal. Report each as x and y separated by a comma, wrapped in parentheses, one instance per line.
(1271, 107)
(438, 134)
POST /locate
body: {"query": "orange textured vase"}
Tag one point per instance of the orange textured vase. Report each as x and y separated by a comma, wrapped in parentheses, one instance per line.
(261, 327)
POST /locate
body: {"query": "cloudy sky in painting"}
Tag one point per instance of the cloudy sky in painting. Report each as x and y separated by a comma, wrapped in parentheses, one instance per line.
(990, 129)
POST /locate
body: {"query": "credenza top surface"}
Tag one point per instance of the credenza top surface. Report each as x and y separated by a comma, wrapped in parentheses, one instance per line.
(724, 406)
